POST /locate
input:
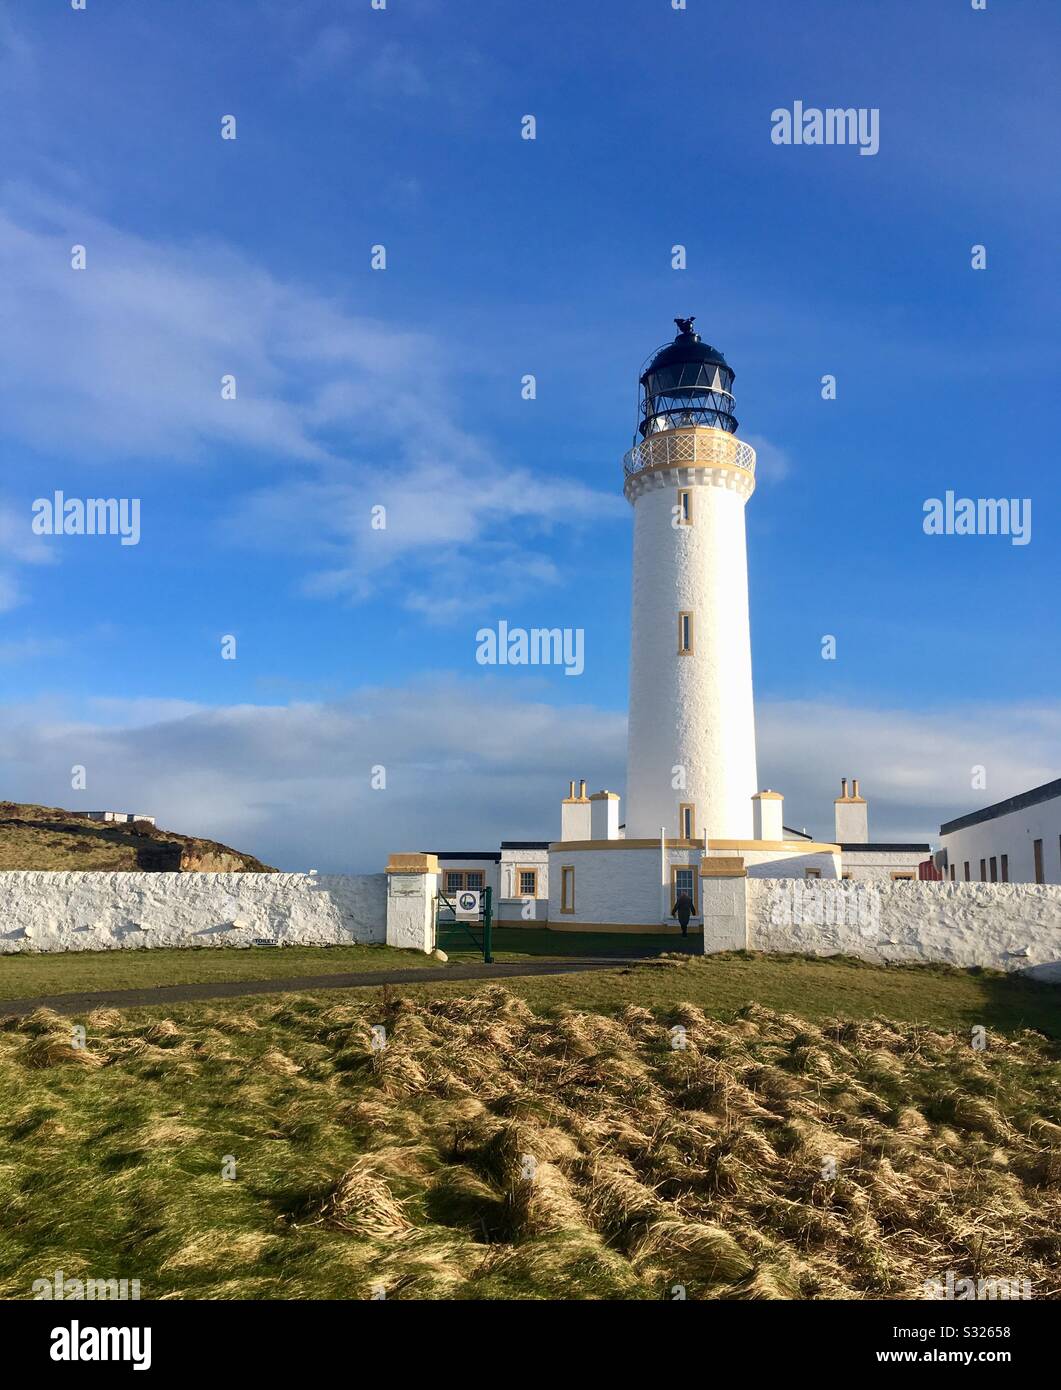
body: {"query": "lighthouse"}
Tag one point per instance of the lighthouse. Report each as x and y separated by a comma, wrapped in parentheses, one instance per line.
(691, 742)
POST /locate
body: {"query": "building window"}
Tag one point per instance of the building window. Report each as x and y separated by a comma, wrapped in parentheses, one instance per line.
(685, 506)
(967, 871)
(983, 870)
(687, 820)
(952, 867)
(900, 875)
(567, 888)
(685, 634)
(454, 881)
(528, 883)
(1037, 849)
(474, 880)
(846, 876)
(683, 880)
(1005, 868)
(812, 873)
(994, 869)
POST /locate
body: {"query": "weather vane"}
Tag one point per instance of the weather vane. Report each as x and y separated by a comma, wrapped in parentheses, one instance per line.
(685, 325)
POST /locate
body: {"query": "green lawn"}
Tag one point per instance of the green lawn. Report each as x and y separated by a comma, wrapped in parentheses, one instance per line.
(815, 989)
(27, 976)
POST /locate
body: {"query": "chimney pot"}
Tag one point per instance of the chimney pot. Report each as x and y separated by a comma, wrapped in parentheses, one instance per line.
(582, 787)
(571, 789)
(854, 784)
(843, 786)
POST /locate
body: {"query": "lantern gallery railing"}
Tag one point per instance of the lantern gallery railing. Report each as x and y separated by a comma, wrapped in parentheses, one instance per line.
(677, 448)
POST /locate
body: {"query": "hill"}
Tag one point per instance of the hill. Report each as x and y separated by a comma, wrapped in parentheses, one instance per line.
(46, 837)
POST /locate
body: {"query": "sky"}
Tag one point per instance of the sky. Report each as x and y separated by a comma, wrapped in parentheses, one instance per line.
(403, 388)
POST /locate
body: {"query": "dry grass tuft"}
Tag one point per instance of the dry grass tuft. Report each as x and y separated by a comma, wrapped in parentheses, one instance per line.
(489, 1152)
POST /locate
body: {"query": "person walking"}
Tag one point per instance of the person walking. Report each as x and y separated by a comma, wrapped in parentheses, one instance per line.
(683, 910)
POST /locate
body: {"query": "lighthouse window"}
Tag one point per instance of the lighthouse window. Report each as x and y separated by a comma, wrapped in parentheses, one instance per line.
(685, 507)
(687, 821)
(685, 634)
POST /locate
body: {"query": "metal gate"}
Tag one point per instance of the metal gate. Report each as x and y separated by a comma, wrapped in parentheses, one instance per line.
(477, 929)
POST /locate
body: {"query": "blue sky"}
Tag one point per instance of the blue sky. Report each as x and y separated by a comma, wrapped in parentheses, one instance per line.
(402, 387)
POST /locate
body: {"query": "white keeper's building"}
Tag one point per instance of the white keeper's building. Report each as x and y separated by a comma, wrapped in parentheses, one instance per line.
(1014, 841)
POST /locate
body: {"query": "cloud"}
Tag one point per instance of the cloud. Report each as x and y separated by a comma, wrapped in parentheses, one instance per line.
(125, 360)
(916, 768)
(18, 546)
(329, 50)
(772, 463)
(469, 763)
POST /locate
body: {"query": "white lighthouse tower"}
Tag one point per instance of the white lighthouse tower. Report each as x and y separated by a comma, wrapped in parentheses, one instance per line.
(691, 749)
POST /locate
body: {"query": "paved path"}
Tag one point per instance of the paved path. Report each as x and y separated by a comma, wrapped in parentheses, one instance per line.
(229, 989)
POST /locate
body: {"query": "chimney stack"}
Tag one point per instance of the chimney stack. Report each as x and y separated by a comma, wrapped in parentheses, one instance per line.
(767, 816)
(604, 816)
(575, 814)
(852, 815)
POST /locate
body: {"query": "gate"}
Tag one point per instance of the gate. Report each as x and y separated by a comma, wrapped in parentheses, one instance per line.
(478, 929)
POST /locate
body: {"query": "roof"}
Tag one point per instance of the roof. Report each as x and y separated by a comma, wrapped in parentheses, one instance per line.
(524, 844)
(687, 348)
(1046, 792)
(493, 857)
(891, 849)
(796, 834)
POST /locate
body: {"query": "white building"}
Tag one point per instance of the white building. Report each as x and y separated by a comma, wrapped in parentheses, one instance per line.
(517, 874)
(1014, 841)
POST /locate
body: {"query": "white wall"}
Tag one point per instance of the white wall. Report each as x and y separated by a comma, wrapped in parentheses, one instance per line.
(878, 865)
(1014, 835)
(109, 911)
(616, 887)
(1006, 926)
(693, 711)
(512, 860)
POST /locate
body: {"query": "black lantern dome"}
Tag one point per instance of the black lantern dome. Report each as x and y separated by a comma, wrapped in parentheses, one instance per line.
(686, 383)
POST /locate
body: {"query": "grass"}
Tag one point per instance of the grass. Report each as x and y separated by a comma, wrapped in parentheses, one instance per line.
(26, 975)
(815, 988)
(493, 1150)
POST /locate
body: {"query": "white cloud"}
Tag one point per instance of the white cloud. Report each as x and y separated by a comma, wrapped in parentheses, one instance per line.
(125, 359)
(772, 463)
(18, 546)
(469, 763)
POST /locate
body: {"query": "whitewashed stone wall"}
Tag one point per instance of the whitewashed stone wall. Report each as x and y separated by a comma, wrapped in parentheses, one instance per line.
(113, 911)
(1008, 926)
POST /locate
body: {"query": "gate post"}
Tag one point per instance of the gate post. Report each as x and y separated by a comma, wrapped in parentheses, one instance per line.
(724, 903)
(412, 888)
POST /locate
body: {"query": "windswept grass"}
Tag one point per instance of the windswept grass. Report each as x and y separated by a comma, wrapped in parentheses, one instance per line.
(488, 1151)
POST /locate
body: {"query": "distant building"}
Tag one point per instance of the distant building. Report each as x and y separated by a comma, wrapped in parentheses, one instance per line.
(121, 817)
(1014, 841)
